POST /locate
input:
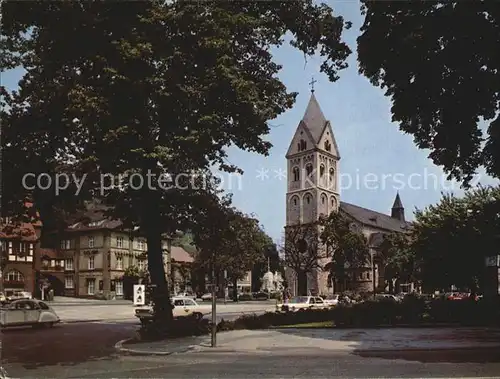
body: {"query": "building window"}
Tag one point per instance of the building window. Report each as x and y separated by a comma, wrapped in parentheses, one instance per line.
(119, 241)
(302, 145)
(321, 171)
(308, 199)
(141, 264)
(119, 288)
(90, 286)
(69, 264)
(52, 263)
(119, 263)
(15, 276)
(140, 245)
(68, 282)
(309, 169)
(91, 262)
(332, 175)
(91, 242)
(296, 174)
(65, 244)
(368, 275)
(328, 146)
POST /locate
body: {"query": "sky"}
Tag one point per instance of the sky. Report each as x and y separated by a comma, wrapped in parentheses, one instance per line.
(377, 160)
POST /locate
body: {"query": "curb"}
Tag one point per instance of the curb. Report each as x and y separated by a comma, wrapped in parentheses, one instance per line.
(421, 349)
(95, 320)
(124, 350)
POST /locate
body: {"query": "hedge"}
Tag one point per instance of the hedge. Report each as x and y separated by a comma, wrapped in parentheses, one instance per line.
(371, 313)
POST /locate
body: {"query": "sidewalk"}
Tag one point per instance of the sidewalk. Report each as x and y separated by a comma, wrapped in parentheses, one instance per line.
(353, 340)
(63, 300)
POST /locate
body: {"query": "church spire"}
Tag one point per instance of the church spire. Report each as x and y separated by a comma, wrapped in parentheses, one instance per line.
(314, 118)
(398, 211)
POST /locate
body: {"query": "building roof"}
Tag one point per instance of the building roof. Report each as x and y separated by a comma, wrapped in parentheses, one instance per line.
(314, 118)
(50, 253)
(178, 254)
(374, 219)
(397, 203)
(23, 231)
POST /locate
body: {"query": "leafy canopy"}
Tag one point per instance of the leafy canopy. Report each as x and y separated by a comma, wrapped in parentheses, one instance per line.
(438, 62)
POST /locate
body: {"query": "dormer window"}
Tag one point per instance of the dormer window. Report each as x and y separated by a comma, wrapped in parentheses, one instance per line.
(302, 145)
(328, 146)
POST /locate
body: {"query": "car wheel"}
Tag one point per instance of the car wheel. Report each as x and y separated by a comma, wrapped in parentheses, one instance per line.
(198, 316)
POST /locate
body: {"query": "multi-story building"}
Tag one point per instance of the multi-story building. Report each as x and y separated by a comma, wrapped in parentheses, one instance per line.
(95, 253)
(18, 243)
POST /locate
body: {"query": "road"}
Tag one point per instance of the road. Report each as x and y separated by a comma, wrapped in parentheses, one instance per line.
(124, 312)
(86, 350)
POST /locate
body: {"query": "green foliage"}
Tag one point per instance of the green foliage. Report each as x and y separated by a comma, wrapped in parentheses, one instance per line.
(149, 88)
(397, 255)
(453, 237)
(346, 246)
(429, 65)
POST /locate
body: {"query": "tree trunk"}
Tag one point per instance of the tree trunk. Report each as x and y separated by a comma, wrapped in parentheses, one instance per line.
(151, 224)
(235, 289)
(302, 283)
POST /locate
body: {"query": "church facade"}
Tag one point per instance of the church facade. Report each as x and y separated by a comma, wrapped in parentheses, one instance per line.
(313, 191)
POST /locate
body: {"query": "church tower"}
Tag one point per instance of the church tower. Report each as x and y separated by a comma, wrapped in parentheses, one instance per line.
(398, 210)
(313, 187)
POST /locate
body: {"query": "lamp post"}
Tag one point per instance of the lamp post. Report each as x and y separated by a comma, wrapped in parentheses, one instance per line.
(213, 339)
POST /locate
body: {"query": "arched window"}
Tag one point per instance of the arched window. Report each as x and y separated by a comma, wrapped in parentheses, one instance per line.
(296, 174)
(328, 146)
(308, 199)
(332, 175)
(302, 145)
(321, 170)
(309, 169)
(295, 201)
(333, 203)
(15, 276)
(323, 199)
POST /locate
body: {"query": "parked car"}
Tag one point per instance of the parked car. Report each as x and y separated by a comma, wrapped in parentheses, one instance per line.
(332, 300)
(17, 295)
(386, 297)
(206, 297)
(302, 302)
(186, 294)
(27, 312)
(182, 307)
(261, 296)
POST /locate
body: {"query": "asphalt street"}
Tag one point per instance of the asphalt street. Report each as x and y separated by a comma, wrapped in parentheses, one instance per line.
(86, 350)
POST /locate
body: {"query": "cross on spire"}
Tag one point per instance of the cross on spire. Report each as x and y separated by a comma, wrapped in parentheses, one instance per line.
(311, 83)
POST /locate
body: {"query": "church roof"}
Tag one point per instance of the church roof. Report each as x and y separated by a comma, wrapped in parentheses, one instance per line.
(314, 118)
(374, 219)
(397, 202)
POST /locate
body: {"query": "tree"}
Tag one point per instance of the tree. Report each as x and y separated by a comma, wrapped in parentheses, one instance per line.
(245, 246)
(452, 238)
(398, 259)
(442, 78)
(347, 247)
(303, 252)
(164, 87)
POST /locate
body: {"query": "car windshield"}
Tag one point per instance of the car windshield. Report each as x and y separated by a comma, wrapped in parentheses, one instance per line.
(298, 299)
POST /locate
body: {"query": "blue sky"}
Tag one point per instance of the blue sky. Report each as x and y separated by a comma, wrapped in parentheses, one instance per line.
(370, 145)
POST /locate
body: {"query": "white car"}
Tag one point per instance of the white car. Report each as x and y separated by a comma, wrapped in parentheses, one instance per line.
(206, 297)
(302, 302)
(18, 295)
(332, 300)
(28, 312)
(182, 307)
(186, 295)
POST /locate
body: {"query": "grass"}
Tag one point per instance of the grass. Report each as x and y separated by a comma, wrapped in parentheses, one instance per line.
(311, 325)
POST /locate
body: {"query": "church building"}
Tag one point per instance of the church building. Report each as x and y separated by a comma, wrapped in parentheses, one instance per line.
(313, 191)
